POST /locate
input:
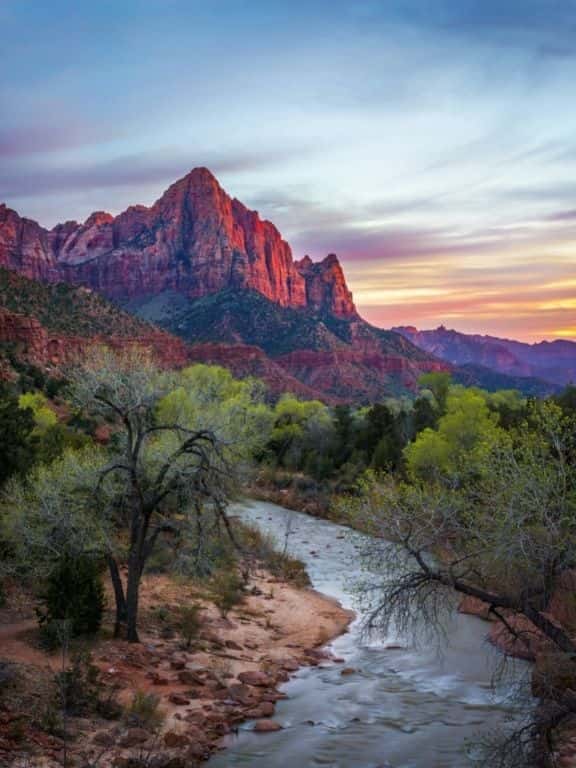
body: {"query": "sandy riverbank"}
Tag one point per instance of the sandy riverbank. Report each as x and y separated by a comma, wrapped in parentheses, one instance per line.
(230, 674)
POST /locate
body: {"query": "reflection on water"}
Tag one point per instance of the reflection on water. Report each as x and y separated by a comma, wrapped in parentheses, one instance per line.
(404, 708)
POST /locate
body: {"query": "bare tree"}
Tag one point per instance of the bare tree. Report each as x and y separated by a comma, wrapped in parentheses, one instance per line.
(508, 540)
(158, 470)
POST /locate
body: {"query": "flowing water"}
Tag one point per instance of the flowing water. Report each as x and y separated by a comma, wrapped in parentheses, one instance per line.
(403, 708)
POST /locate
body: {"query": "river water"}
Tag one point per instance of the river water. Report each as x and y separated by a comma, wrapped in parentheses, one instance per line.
(405, 707)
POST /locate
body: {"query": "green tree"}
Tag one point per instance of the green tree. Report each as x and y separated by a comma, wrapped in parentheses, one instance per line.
(300, 427)
(438, 383)
(455, 451)
(17, 442)
(74, 593)
(182, 439)
(37, 402)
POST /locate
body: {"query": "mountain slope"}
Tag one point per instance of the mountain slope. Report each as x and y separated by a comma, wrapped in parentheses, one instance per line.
(551, 362)
(208, 269)
(50, 325)
(344, 358)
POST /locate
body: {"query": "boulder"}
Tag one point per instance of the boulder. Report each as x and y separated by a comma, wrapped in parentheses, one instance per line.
(174, 740)
(134, 737)
(267, 726)
(258, 679)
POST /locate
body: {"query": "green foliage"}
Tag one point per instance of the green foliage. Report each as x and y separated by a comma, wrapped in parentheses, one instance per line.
(226, 590)
(52, 513)
(81, 691)
(209, 397)
(145, 712)
(74, 594)
(567, 400)
(456, 450)
(189, 623)
(44, 416)
(439, 384)
(302, 435)
(58, 439)
(17, 443)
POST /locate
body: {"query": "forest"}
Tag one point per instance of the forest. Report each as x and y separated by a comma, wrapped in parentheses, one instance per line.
(124, 469)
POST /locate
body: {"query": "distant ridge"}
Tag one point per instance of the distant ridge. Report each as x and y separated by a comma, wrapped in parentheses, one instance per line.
(553, 362)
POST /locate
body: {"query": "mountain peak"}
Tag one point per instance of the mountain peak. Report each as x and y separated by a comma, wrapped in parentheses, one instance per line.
(195, 240)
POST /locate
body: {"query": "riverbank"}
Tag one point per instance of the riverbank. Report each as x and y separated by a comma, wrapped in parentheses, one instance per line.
(230, 673)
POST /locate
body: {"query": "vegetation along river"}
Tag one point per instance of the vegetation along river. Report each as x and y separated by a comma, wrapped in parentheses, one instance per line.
(404, 707)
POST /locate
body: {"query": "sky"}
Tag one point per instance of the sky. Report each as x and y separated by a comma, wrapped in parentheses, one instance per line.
(431, 144)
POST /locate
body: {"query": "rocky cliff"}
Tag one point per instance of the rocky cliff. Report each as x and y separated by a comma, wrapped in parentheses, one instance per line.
(551, 362)
(54, 325)
(209, 270)
(194, 240)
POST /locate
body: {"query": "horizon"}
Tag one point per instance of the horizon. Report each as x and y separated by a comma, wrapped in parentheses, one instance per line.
(431, 149)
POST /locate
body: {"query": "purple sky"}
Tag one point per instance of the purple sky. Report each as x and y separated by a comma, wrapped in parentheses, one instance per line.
(431, 145)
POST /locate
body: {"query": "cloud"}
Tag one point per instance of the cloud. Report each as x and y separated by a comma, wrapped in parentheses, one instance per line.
(43, 135)
(162, 167)
(569, 215)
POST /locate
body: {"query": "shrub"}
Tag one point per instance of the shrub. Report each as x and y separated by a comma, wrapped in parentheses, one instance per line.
(81, 691)
(145, 711)
(189, 623)
(75, 595)
(226, 589)
(288, 568)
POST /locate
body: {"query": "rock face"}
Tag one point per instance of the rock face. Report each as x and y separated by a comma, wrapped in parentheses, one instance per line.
(195, 240)
(37, 345)
(553, 362)
(25, 247)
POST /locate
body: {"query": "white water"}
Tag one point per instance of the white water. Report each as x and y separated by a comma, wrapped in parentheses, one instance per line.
(404, 708)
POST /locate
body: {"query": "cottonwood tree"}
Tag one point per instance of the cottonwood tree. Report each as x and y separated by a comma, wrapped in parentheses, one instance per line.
(178, 445)
(507, 538)
(180, 441)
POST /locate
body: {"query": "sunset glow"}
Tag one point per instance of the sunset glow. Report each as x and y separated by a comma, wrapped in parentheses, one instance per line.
(430, 145)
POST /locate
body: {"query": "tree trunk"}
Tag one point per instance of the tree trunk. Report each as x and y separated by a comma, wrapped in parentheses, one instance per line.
(119, 597)
(132, 594)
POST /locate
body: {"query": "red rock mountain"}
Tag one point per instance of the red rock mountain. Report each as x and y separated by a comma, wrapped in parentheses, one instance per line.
(207, 269)
(194, 240)
(550, 361)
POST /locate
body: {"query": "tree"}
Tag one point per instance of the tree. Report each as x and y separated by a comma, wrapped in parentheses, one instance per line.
(439, 384)
(455, 451)
(424, 414)
(507, 538)
(383, 437)
(300, 427)
(179, 437)
(17, 444)
(567, 400)
(37, 402)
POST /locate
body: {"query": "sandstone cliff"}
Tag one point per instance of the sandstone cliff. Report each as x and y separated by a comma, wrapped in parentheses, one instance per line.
(195, 240)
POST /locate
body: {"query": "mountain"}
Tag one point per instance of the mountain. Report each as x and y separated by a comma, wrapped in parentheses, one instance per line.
(549, 362)
(471, 375)
(345, 358)
(194, 240)
(207, 269)
(52, 325)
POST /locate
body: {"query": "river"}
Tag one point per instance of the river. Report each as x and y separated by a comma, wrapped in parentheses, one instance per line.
(405, 707)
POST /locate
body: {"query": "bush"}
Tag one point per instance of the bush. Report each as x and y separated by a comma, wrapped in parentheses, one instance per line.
(145, 711)
(226, 590)
(189, 623)
(75, 595)
(288, 568)
(81, 692)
